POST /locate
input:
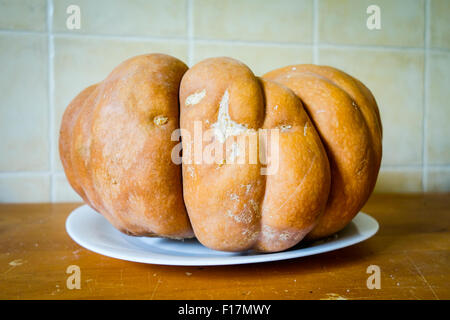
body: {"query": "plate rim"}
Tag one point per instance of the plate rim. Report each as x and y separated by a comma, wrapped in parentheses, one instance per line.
(328, 246)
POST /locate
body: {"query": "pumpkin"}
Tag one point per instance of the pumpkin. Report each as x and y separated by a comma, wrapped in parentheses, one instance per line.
(117, 147)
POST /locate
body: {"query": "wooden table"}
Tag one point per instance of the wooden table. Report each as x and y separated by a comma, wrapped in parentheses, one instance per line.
(412, 250)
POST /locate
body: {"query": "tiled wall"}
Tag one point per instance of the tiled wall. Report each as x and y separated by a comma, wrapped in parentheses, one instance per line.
(43, 65)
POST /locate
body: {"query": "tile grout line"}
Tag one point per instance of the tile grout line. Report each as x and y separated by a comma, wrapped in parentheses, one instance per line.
(24, 32)
(227, 41)
(425, 98)
(254, 43)
(369, 47)
(51, 108)
(414, 166)
(120, 37)
(190, 32)
(404, 167)
(315, 31)
(25, 174)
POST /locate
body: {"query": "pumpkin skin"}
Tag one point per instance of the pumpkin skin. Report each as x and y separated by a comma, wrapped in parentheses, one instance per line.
(115, 146)
(346, 116)
(116, 149)
(233, 207)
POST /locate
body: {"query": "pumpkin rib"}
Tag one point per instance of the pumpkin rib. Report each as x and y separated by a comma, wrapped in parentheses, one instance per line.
(81, 149)
(214, 194)
(353, 172)
(347, 83)
(296, 195)
(359, 93)
(68, 122)
(114, 132)
(368, 94)
(368, 107)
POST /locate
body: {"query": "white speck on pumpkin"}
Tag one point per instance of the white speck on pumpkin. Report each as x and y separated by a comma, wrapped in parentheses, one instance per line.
(191, 171)
(247, 187)
(254, 205)
(160, 120)
(232, 152)
(225, 127)
(195, 98)
(243, 217)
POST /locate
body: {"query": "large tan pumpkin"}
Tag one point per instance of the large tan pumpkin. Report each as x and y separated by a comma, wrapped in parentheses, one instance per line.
(116, 147)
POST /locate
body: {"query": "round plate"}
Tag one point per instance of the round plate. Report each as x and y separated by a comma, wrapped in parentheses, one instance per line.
(92, 231)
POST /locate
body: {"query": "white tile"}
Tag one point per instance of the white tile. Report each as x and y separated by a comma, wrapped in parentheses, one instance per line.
(23, 103)
(24, 188)
(399, 181)
(439, 24)
(345, 22)
(438, 179)
(23, 15)
(62, 190)
(255, 20)
(124, 17)
(438, 97)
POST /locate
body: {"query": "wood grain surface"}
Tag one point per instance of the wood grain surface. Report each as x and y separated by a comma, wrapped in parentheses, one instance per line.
(412, 250)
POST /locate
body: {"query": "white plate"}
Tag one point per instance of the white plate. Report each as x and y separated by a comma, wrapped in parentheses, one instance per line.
(92, 231)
